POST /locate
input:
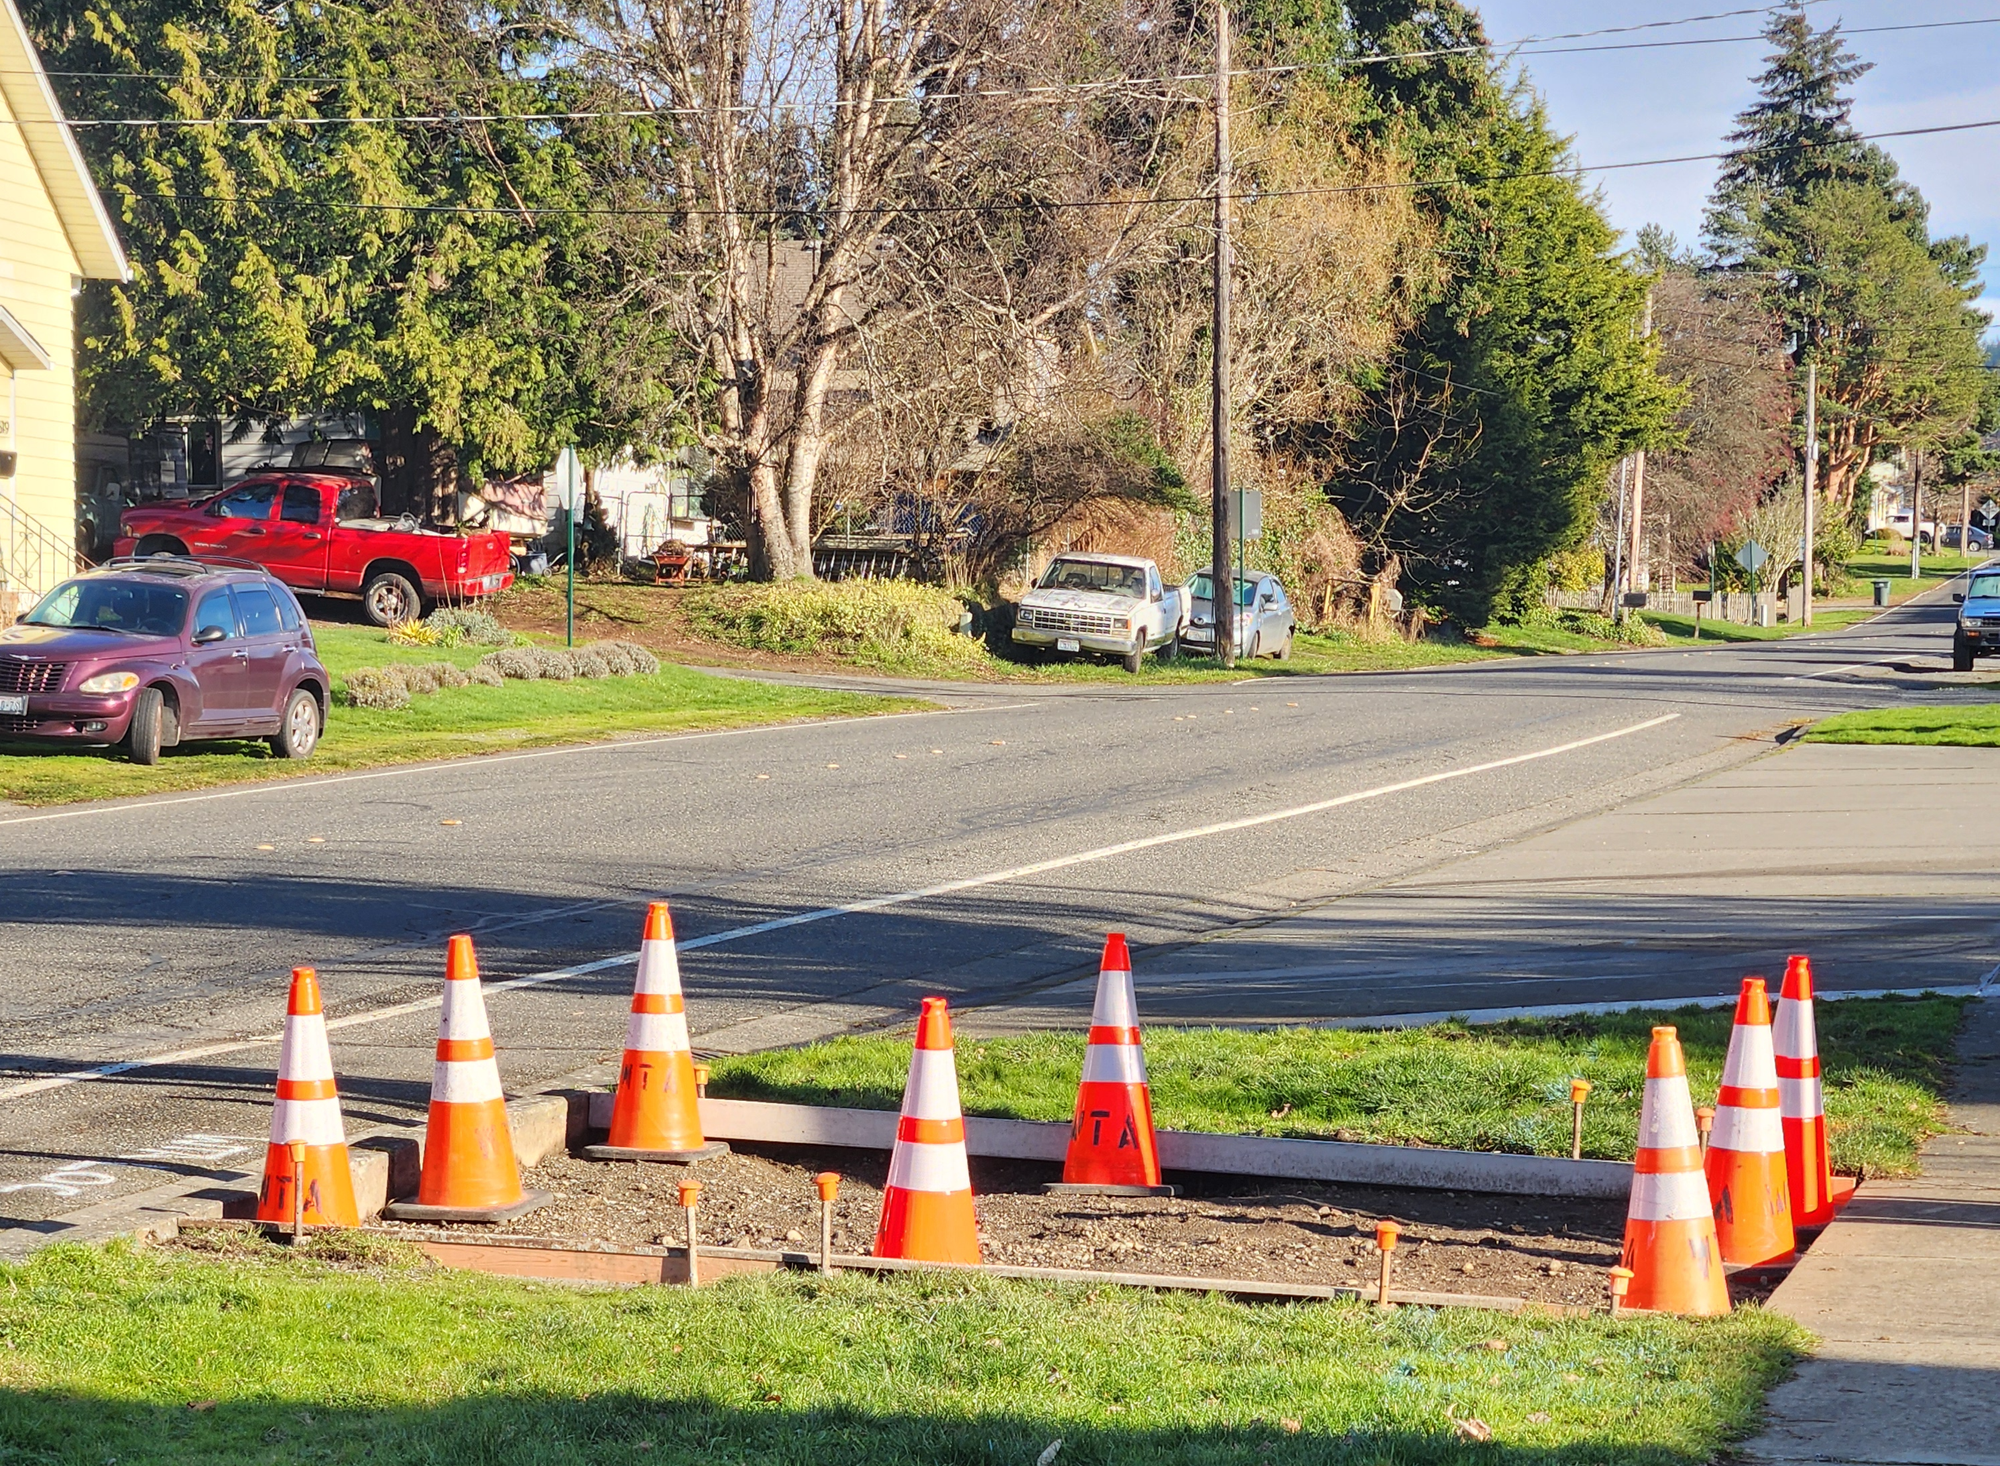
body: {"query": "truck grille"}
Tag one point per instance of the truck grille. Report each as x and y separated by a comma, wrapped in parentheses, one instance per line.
(19, 676)
(1096, 623)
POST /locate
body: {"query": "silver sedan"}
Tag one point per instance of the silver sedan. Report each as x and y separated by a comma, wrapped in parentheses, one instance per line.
(1265, 623)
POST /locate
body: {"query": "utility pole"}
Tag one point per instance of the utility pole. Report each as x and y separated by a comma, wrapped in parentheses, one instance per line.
(1222, 600)
(1639, 476)
(1812, 482)
(1916, 513)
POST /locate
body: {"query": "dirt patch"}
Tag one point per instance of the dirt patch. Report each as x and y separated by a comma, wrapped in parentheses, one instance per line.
(1548, 1250)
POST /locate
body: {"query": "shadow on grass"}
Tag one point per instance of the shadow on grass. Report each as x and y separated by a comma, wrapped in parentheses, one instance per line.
(52, 1428)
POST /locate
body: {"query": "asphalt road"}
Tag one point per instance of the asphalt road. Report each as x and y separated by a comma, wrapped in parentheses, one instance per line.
(823, 877)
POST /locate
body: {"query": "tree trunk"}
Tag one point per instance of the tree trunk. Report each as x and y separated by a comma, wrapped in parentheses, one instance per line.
(771, 554)
(808, 448)
(419, 473)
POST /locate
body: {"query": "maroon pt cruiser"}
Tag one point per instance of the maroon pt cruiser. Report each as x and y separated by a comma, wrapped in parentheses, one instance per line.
(158, 652)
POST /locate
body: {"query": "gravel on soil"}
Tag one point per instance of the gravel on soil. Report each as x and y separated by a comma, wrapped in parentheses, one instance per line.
(1544, 1249)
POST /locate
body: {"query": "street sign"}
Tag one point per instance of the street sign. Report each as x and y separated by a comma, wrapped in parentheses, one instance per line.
(1752, 556)
(1249, 514)
(569, 478)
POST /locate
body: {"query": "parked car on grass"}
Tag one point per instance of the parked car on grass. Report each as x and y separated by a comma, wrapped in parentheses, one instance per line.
(156, 653)
(1113, 605)
(1978, 631)
(322, 532)
(1265, 621)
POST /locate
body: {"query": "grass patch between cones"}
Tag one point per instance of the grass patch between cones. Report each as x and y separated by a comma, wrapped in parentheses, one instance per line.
(255, 1355)
(1501, 1087)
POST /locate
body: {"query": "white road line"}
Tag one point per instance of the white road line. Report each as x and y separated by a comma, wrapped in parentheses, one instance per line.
(290, 786)
(853, 908)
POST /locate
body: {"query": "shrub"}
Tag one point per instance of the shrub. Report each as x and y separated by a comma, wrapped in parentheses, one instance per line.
(589, 662)
(484, 676)
(888, 622)
(381, 688)
(515, 661)
(644, 663)
(444, 674)
(421, 681)
(617, 661)
(554, 665)
(416, 633)
(463, 626)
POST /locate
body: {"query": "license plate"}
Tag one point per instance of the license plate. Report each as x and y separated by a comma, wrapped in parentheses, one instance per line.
(17, 705)
(1063, 644)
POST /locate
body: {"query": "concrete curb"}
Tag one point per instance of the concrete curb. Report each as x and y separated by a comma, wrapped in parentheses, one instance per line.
(1227, 1155)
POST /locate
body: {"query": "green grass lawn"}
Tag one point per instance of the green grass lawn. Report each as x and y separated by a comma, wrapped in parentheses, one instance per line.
(256, 1355)
(1874, 563)
(1976, 725)
(1681, 628)
(1493, 1087)
(454, 722)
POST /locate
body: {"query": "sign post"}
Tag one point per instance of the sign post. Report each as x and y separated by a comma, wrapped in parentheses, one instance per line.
(1752, 557)
(568, 475)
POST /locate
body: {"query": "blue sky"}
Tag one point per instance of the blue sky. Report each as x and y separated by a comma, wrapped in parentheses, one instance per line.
(1622, 105)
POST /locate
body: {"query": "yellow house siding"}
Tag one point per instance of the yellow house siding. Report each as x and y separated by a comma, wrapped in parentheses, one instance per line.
(38, 273)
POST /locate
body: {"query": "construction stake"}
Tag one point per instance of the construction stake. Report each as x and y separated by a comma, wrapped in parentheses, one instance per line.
(298, 1149)
(1621, 1280)
(1579, 1091)
(1385, 1242)
(827, 1183)
(1704, 1121)
(691, 1198)
(701, 1081)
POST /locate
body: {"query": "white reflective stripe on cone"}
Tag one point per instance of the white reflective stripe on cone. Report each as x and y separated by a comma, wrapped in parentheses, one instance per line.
(1666, 1120)
(314, 1121)
(464, 1013)
(916, 1166)
(1114, 1064)
(1799, 1099)
(1751, 1132)
(932, 1090)
(1792, 1030)
(1674, 1196)
(465, 1081)
(657, 1033)
(304, 1054)
(1115, 1006)
(1751, 1063)
(659, 969)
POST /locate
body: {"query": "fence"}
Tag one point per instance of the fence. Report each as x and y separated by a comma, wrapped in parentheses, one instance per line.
(1729, 605)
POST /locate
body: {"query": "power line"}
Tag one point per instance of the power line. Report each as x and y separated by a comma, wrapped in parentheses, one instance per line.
(793, 211)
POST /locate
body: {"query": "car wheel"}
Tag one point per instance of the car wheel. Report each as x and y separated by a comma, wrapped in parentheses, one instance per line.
(1256, 647)
(1285, 651)
(142, 737)
(1136, 658)
(1961, 656)
(1171, 652)
(158, 544)
(389, 598)
(298, 730)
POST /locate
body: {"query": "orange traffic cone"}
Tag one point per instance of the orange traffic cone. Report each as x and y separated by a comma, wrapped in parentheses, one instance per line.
(307, 1113)
(927, 1210)
(1800, 1101)
(1746, 1147)
(654, 1116)
(469, 1170)
(1111, 1146)
(1669, 1229)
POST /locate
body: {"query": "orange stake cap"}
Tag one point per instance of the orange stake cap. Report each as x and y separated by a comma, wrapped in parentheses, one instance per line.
(701, 1075)
(934, 1026)
(1386, 1234)
(690, 1194)
(1621, 1281)
(1579, 1090)
(827, 1184)
(1704, 1118)
(460, 965)
(1116, 958)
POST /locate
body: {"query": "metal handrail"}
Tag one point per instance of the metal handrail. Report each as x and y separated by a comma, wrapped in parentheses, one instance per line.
(33, 557)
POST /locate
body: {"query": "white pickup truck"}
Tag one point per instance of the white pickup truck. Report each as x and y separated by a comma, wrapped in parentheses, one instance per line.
(1112, 605)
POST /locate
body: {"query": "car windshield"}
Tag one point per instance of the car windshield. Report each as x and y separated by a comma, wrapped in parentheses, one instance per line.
(1246, 590)
(1095, 575)
(1983, 588)
(114, 605)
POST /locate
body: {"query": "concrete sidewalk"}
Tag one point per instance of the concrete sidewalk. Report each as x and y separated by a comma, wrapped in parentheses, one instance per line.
(1904, 1292)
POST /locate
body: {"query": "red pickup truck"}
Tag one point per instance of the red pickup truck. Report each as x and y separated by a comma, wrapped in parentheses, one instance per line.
(320, 532)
